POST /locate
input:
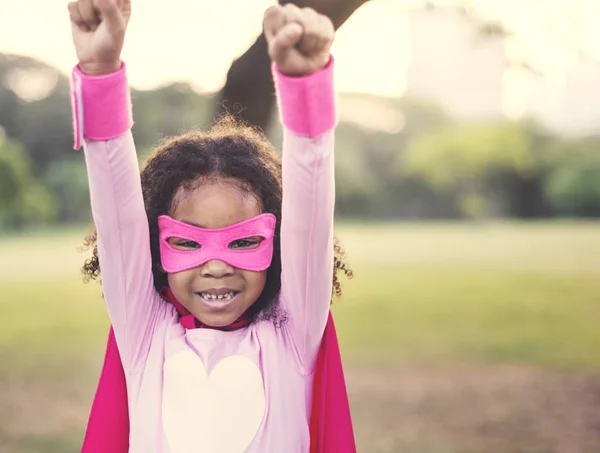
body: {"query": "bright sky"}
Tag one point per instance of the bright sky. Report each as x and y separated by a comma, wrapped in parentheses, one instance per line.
(196, 40)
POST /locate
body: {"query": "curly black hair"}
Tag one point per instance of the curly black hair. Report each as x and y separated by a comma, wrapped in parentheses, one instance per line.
(230, 149)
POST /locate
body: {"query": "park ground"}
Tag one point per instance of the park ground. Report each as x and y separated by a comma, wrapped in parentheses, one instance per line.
(457, 338)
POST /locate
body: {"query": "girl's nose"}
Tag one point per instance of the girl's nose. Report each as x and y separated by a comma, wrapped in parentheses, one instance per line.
(216, 269)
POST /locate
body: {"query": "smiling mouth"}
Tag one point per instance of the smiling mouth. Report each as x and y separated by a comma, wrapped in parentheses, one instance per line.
(222, 297)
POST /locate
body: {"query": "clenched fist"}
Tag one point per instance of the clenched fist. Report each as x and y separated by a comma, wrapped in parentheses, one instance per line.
(98, 28)
(299, 39)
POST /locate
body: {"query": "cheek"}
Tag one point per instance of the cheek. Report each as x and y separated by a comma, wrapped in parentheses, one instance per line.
(255, 281)
(178, 281)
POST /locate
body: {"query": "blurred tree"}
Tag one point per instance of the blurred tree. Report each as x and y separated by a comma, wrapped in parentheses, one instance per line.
(481, 165)
(167, 110)
(573, 185)
(378, 139)
(373, 134)
(33, 98)
(14, 171)
(22, 199)
(67, 181)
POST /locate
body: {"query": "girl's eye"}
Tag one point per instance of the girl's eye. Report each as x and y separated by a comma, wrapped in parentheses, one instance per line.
(183, 244)
(246, 243)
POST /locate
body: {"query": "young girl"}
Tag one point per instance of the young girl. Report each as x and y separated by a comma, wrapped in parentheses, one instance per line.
(218, 265)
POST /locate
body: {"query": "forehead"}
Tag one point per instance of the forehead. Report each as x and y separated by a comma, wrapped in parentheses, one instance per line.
(215, 204)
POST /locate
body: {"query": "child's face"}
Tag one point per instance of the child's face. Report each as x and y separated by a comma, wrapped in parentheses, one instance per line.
(216, 205)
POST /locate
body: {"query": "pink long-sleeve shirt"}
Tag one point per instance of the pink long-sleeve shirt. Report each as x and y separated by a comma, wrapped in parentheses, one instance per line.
(204, 390)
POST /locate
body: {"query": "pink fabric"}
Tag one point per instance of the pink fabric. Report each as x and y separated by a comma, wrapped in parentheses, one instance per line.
(304, 109)
(214, 244)
(331, 423)
(108, 425)
(155, 349)
(107, 111)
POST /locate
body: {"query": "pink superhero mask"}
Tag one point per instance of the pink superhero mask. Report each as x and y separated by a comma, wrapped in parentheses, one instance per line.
(215, 244)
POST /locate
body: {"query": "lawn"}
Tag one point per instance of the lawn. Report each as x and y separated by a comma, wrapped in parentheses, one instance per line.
(429, 303)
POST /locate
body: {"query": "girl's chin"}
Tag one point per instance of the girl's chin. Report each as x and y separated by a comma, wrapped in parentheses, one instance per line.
(215, 320)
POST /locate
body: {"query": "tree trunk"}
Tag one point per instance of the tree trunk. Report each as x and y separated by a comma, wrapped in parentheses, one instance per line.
(248, 91)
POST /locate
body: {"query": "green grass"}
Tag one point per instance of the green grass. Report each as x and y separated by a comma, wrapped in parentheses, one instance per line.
(452, 294)
(490, 293)
(433, 314)
(521, 293)
(48, 444)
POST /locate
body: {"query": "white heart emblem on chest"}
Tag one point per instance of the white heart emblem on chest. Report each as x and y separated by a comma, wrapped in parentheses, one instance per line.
(218, 412)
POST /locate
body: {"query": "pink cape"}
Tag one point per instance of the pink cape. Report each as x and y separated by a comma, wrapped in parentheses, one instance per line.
(330, 425)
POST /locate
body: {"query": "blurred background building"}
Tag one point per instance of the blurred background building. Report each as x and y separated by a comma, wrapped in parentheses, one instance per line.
(569, 105)
(453, 65)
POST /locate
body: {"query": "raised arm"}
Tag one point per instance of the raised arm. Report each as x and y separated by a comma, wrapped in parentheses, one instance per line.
(304, 85)
(102, 119)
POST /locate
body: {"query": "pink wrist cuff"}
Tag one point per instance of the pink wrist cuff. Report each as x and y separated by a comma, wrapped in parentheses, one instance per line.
(101, 106)
(307, 104)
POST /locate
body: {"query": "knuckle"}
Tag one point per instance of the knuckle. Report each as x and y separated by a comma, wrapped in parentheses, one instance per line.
(292, 11)
(327, 25)
(309, 12)
(271, 12)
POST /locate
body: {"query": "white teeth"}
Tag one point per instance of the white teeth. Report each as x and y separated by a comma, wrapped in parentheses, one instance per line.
(225, 297)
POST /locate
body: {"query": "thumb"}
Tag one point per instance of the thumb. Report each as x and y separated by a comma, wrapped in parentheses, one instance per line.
(111, 16)
(286, 39)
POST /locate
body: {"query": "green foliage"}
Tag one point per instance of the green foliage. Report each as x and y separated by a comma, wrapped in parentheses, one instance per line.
(357, 185)
(573, 186)
(395, 159)
(22, 199)
(167, 111)
(14, 172)
(461, 155)
(39, 206)
(67, 181)
(466, 160)
(42, 126)
(369, 183)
